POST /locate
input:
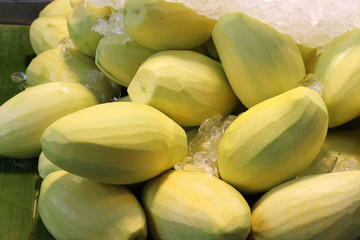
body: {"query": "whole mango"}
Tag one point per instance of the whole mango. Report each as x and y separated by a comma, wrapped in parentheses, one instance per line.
(340, 72)
(163, 25)
(72, 207)
(187, 86)
(273, 141)
(317, 207)
(117, 143)
(24, 117)
(259, 62)
(187, 205)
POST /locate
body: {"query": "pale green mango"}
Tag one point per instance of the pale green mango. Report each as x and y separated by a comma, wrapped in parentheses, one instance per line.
(163, 25)
(71, 65)
(187, 86)
(56, 8)
(317, 207)
(273, 141)
(80, 21)
(45, 167)
(339, 70)
(75, 208)
(25, 116)
(47, 32)
(259, 62)
(119, 59)
(119, 143)
(59, 65)
(194, 206)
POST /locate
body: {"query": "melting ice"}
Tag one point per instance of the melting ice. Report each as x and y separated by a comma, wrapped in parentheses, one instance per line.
(203, 149)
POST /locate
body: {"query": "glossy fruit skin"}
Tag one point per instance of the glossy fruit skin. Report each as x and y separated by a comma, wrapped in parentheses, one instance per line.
(273, 141)
(119, 143)
(259, 62)
(25, 116)
(316, 207)
(187, 205)
(72, 207)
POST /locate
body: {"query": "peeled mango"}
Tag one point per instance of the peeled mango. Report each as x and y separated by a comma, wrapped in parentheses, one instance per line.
(163, 25)
(187, 86)
(66, 64)
(72, 207)
(47, 32)
(59, 65)
(340, 72)
(80, 21)
(259, 62)
(120, 59)
(25, 116)
(45, 167)
(116, 143)
(317, 207)
(273, 141)
(187, 205)
(56, 8)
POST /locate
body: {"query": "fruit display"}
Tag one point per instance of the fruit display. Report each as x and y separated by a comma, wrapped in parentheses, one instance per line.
(187, 120)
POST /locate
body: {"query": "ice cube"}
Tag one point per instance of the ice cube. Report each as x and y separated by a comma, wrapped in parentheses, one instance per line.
(313, 82)
(112, 25)
(19, 78)
(203, 149)
(117, 4)
(323, 163)
(103, 88)
(347, 164)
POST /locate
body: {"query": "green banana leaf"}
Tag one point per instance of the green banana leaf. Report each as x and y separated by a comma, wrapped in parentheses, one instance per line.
(19, 180)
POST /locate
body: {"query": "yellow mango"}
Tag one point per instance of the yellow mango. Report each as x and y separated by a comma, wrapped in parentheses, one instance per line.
(259, 62)
(187, 205)
(273, 141)
(187, 86)
(119, 143)
(120, 59)
(47, 32)
(316, 207)
(339, 70)
(72, 207)
(163, 25)
(24, 117)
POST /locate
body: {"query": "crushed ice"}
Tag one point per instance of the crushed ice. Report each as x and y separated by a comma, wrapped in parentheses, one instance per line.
(313, 82)
(310, 22)
(347, 164)
(112, 25)
(116, 4)
(19, 78)
(104, 89)
(323, 163)
(203, 149)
